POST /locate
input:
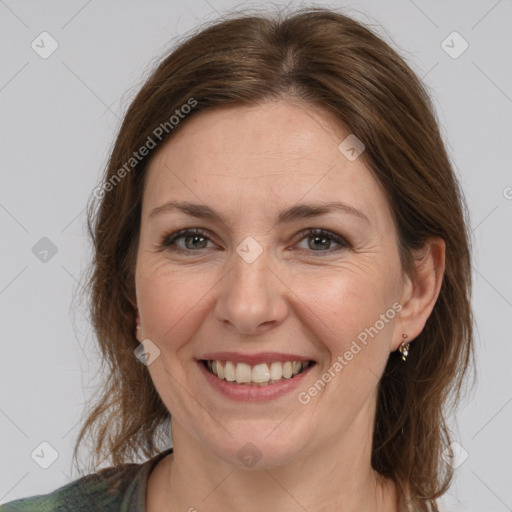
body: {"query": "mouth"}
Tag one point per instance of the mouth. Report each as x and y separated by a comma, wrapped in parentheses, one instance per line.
(261, 374)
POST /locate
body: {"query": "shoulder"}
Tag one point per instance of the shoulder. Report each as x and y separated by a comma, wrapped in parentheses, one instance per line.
(97, 491)
(120, 489)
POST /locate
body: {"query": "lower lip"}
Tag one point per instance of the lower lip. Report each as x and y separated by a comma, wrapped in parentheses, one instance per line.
(246, 393)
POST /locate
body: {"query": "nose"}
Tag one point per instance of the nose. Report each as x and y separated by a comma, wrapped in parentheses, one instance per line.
(252, 297)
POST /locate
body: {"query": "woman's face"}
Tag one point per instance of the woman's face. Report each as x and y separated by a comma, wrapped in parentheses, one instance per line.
(272, 272)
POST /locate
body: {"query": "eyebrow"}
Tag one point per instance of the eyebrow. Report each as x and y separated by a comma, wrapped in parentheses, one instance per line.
(298, 212)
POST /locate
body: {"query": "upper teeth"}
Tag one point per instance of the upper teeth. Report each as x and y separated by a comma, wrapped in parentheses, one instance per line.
(260, 373)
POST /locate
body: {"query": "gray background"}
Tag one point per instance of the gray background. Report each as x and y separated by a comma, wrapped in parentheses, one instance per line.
(59, 118)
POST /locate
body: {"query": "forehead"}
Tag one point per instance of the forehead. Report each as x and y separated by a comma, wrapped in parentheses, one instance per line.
(275, 153)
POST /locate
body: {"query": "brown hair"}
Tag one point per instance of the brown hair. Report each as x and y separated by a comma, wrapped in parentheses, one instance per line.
(332, 62)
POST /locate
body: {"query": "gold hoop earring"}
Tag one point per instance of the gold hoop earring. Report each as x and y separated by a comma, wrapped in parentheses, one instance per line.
(404, 347)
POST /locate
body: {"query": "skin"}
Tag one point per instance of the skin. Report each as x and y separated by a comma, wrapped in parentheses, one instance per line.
(300, 296)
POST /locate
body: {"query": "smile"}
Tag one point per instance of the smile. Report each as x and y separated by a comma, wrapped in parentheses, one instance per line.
(262, 374)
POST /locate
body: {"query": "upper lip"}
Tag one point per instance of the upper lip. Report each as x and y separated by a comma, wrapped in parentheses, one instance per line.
(252, 359)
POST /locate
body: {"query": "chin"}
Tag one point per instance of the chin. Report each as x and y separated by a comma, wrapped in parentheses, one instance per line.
(258, 447)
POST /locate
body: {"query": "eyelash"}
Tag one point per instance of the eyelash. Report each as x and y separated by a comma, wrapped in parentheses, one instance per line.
(169, 239)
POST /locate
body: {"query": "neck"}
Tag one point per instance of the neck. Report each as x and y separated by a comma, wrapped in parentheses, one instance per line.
(336, 478)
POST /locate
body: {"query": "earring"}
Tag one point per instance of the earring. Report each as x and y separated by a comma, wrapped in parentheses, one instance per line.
(404, 347)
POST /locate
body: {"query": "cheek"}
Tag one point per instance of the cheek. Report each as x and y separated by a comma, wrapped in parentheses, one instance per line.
(172, 303)
(342, 314)
(341, 304)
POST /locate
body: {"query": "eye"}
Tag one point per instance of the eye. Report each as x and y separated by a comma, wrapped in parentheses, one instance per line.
(195, 239)
(186, 240)
(321, 240)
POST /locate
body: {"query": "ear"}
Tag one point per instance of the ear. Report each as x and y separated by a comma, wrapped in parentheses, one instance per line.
(421, 290)
(138, 327)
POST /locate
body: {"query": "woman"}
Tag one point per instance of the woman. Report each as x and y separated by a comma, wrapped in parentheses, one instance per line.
(281, 280)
